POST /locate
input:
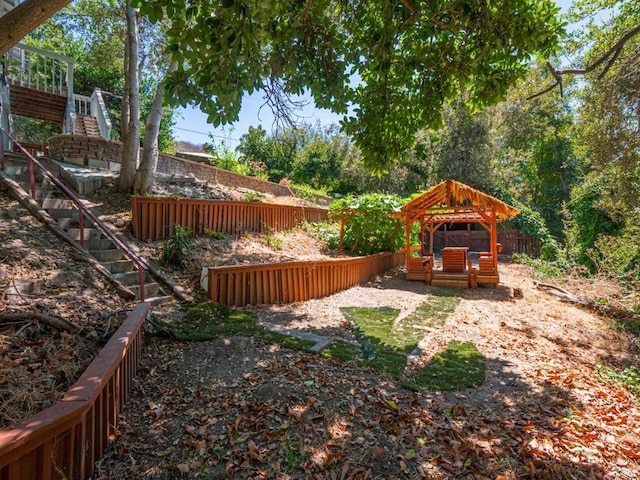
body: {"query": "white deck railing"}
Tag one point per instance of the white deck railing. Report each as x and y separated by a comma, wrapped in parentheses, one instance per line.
(45, 71)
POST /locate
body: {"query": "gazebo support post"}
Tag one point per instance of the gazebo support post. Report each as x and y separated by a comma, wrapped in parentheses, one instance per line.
(407, 246)
(494, 240)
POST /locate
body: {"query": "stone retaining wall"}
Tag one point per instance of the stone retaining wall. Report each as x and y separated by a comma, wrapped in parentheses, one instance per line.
(101, 153)
(179, 166)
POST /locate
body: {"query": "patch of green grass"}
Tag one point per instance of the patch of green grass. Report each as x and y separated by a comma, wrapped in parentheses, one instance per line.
(341, 350)
(285, 340)
(630, 376)
(387, 361)
(205, 321)
(372, 327)
(386, 343)
(458, 366)
(429, 315)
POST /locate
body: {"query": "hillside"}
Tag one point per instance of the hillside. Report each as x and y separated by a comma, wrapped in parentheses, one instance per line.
(238, 407)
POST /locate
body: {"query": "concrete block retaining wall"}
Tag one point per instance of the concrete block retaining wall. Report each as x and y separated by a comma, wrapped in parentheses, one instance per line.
(101, 153)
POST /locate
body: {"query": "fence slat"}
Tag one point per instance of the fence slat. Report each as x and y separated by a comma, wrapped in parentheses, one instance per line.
(289, 282)
(154, 218)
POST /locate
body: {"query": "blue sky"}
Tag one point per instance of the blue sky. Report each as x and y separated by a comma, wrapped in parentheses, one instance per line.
(192, 124)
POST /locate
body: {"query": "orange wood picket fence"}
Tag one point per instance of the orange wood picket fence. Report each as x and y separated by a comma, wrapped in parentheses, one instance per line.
(64, 441)
(154, 218)
(260, 284)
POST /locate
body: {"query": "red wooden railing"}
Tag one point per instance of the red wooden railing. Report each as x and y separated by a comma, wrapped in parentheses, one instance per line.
(155, 218)
(258, 284)
(64, 441)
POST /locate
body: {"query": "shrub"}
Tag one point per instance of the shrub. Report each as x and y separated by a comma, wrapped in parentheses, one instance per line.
(213, 234)
(618, 257)
(371, 229)
(175, 248)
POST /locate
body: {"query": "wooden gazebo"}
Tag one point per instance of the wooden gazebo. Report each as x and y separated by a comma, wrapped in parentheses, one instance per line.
(454, 202)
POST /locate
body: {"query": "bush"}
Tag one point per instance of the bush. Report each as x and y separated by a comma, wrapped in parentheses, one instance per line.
(175, 248)
(308, 193)
(329, 233)
(618, 257)
(371, 229)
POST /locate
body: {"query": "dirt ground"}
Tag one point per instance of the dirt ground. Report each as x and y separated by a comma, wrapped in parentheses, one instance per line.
(40, 275)
(238, 408)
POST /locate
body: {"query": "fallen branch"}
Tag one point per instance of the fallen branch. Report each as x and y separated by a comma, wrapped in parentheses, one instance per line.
(567, 296)
(55, 322)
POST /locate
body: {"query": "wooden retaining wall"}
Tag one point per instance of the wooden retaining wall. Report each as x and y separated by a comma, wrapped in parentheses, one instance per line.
(64, 441)
(154, 218)
(259, 284)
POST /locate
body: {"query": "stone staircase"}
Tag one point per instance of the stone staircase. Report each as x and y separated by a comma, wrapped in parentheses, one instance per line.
(96, 243)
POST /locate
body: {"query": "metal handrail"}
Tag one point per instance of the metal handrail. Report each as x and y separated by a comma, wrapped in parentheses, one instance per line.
(142, 266)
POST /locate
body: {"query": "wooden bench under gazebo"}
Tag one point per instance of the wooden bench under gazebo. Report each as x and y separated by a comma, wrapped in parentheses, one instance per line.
(454, 202)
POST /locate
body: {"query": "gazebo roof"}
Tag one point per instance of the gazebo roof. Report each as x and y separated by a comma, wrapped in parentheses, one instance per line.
(452, 201)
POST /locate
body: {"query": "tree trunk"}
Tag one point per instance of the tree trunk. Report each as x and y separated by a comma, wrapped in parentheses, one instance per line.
(131, 148)
(19, 22)
(146, 172)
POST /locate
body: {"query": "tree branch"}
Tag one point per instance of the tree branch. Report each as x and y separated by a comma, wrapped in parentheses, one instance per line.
(17, 23)
(610, 56)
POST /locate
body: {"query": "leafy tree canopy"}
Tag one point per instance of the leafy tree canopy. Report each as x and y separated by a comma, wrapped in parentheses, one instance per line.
(388, 66)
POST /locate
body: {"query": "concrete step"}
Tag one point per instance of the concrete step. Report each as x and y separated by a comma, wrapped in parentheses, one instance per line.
(89, 233)
(58, 203)
(118, 266)
(150, 290)
(57, 213)
(67, 223)
(159, 300)
(44, 191)
(127, 278)
(110, 255)
(98, 244)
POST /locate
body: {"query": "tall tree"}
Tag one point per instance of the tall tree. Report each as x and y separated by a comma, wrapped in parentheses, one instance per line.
(388, 66)
(535, 148)
(146, 171)
(465, 150)
(130, 115)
